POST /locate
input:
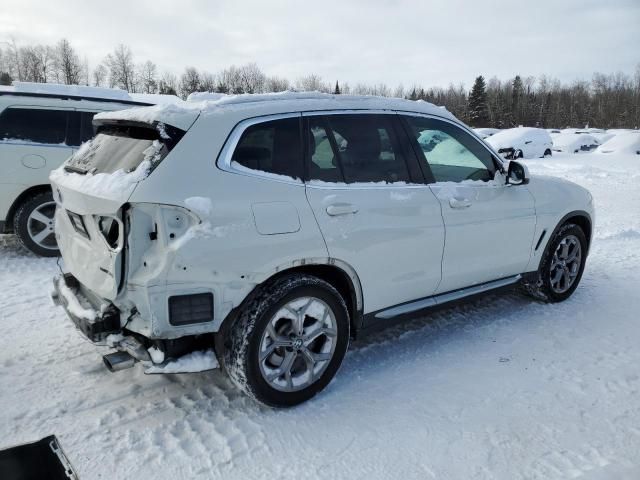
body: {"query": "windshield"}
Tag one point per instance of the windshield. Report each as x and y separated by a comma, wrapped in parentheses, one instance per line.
(121, 148)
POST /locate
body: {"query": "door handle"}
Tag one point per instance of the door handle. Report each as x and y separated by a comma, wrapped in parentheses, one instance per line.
(459, 202)
(341, 209)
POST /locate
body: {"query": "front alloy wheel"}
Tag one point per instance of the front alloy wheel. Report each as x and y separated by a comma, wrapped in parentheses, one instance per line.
(288, 341)
(565, 264)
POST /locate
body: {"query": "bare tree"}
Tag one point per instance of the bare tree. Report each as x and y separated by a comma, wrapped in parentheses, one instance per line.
(121, 68)
(251, 79)
(189, 82)
(276, 84)
(168, 84)
(207, 82)
(100, 75)
(68, 65)
(312, 83)
(148, 77)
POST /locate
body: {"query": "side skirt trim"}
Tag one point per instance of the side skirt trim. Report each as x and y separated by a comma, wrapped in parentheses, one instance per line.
(417, 305)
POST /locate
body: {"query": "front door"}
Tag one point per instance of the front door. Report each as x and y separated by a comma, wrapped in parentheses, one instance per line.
(489, 226)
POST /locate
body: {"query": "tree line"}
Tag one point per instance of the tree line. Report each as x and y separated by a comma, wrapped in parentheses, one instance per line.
(605, 101)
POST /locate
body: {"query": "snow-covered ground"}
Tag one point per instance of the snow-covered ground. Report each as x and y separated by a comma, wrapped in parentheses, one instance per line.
(501, 388)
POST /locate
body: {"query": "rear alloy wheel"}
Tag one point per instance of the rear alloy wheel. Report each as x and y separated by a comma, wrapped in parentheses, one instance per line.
(289, 340)
(34, 225)
(562, 266)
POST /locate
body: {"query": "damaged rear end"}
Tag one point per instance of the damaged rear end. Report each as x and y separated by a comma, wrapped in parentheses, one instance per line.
(94, 219)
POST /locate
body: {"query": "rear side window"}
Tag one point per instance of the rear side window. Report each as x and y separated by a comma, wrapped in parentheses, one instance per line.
(451, 154)
(272, 147)
(365, 148)
(34, 125)
(80, 128)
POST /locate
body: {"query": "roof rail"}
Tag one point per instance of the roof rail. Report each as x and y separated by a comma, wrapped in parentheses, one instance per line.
(83, 92)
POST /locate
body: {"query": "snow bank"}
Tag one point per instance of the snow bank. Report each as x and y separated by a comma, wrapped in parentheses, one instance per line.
(190, 363)
(202, 96)
(623, 143)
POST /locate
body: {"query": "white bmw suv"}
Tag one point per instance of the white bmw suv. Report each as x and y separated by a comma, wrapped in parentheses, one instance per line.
(41, 125)
(261, 233)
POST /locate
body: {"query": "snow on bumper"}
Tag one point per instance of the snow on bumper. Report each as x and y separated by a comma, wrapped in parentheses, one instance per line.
(95, 325)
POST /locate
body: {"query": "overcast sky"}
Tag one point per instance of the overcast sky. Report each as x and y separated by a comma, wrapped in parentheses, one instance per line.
(430, 42)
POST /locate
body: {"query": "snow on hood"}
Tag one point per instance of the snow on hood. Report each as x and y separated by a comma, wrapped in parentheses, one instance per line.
(622, 143)
(515, 137)
(183, 115)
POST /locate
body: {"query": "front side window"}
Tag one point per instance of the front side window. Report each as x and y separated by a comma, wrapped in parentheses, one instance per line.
(356, 148)
(451, 154)
(272, 147)
(33, 125)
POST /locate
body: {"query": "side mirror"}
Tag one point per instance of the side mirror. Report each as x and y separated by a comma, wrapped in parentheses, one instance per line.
(518, 174)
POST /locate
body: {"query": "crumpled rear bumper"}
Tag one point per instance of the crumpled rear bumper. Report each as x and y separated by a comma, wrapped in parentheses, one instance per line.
(94, 324)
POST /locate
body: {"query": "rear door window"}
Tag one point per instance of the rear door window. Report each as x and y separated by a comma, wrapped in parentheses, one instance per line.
(365, 148)
(273, 147)
(33, 125)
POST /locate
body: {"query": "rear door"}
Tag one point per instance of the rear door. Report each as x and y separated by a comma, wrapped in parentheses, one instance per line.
(376, 214)
(489, 225)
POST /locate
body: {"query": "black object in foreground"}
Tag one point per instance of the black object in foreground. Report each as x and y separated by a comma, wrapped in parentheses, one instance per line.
(40, 460)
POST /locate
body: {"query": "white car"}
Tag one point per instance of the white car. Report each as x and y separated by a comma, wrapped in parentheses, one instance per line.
(522, 142)
(41, 125)
(264, 232)
(625, 143)
(575, 143)
(486, 132)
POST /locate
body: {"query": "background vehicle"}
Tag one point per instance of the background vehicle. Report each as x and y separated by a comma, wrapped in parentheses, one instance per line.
(486, 132)
(259, 225)
(522, 142)
(575, 143)
(622, 143)
(41, 125)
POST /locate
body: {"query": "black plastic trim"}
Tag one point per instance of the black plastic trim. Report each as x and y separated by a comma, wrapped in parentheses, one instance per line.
(76, 97)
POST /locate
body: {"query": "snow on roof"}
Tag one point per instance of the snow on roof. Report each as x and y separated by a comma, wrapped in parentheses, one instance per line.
(516, 136)
(113, 94)
(201, 96)
(184, 114)
(74, 90)
(569, 142)
(155, 98)
(628, 142)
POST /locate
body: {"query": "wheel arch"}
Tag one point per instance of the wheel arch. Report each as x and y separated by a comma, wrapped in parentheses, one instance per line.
(580, 218)
(20, 199)
(337, 273)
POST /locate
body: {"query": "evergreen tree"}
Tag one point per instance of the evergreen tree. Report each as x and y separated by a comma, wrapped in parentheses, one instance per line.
(337, 89)
(5, 78)
(516, 100)
(478, 109)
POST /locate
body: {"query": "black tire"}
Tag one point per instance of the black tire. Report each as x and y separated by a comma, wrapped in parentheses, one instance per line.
(541, 289)
(242, 346)
(48, 247)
